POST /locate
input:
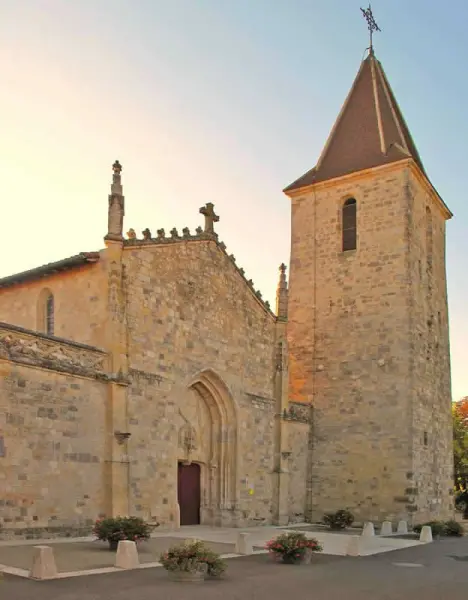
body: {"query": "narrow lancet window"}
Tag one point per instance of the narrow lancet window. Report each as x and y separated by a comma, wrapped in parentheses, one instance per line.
(46, 312)
(349, 225)
(49, 315)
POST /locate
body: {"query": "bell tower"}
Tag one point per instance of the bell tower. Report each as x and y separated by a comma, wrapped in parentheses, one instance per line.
(368, 332)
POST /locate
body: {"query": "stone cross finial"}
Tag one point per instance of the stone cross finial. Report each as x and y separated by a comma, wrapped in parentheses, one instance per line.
(282, 294)
(210, 217)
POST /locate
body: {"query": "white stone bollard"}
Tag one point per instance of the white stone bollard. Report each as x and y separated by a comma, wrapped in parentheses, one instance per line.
(354, 546)
(368, 530)
(44, 566)
(402, 527)
(386, 528)
(127, 555)
(426, 534)
(244, 544)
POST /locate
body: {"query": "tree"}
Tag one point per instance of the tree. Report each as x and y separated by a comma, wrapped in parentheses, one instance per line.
(460, 452)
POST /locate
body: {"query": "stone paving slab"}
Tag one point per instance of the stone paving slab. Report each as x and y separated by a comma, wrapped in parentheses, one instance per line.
(80, 556)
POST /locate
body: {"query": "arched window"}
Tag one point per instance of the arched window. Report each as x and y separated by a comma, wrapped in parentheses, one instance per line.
(349, 225)
(46, 312)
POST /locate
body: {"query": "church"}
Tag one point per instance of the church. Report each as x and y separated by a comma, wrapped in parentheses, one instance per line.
(150, 378)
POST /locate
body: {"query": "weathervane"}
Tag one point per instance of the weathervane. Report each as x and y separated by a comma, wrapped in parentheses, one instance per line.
(371, 24)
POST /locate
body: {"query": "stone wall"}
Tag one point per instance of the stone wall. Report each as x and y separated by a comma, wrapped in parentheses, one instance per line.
(298, 425)
(80, 301)
(432, 482)
(350, 341)
(52, 429)
(201, 347)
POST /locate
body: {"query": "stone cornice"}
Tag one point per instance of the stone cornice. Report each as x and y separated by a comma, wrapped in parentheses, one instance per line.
(369, 174)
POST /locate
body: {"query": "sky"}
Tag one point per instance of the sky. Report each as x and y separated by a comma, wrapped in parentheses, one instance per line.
(223, 101)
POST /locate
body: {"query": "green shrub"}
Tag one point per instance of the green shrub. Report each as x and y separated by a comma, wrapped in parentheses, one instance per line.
(454, 528)
(193, 555)
(438, 527)
(115, 529)
(341, 519)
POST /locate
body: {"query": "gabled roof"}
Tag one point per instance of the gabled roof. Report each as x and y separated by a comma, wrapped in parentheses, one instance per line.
(62, 265)
(369, 132)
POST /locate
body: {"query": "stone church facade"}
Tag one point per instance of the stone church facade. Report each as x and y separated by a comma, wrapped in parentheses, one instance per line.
(150, 378)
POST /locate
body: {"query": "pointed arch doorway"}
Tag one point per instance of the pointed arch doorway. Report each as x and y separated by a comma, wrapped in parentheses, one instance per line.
(207, 461)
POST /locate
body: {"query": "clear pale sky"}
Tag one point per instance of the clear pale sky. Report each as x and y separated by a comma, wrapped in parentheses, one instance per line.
(225, 101)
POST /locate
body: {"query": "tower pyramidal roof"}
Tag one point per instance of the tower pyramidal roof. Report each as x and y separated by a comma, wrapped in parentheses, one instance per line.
(370, 130)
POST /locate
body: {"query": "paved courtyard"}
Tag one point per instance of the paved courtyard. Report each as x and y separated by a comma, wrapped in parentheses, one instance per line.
(72, 556)
(437, 571)
(80, 556)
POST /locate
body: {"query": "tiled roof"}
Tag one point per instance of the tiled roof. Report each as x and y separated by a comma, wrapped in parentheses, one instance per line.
(62, 265)
(369, 132)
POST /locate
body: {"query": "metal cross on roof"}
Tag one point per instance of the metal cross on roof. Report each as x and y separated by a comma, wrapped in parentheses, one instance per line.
(371, 24)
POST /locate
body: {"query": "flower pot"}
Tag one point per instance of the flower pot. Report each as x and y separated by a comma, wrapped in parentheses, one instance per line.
(113, 545)
(287, 559)
(187, 576)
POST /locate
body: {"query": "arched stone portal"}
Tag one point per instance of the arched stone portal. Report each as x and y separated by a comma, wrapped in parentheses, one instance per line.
(208, 436)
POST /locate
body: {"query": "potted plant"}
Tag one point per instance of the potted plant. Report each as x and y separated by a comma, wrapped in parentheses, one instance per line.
(192, 561)
(114, 529)
(293, 547)
(341, 519)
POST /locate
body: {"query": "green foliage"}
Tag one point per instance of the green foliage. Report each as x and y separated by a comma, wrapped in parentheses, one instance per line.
(454, 528)
(115, 529)
(460, 443)
(448, 528)
(438, 527)
(292, 545)
(193, 555)
(461, 502)
(341, 519)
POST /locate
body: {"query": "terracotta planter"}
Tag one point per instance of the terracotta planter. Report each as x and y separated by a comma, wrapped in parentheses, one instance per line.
(187, 576)
(113, 545)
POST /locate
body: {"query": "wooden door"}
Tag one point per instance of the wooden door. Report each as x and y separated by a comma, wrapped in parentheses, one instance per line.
(188, 493)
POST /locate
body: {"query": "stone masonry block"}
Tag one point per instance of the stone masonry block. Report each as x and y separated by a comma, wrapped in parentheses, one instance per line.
(127, 555)
(44, 566)
(386, 528)
(244, 543)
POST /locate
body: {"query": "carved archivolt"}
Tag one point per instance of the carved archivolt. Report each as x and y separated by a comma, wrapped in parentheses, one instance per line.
(49, 354)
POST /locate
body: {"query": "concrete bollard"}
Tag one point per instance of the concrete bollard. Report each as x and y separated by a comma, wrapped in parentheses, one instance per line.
(127, 555)
(44, 566)
(368, 530)
(354, 546)
(402, 527)
(426, 534)
(386, 528)
(244, 544)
